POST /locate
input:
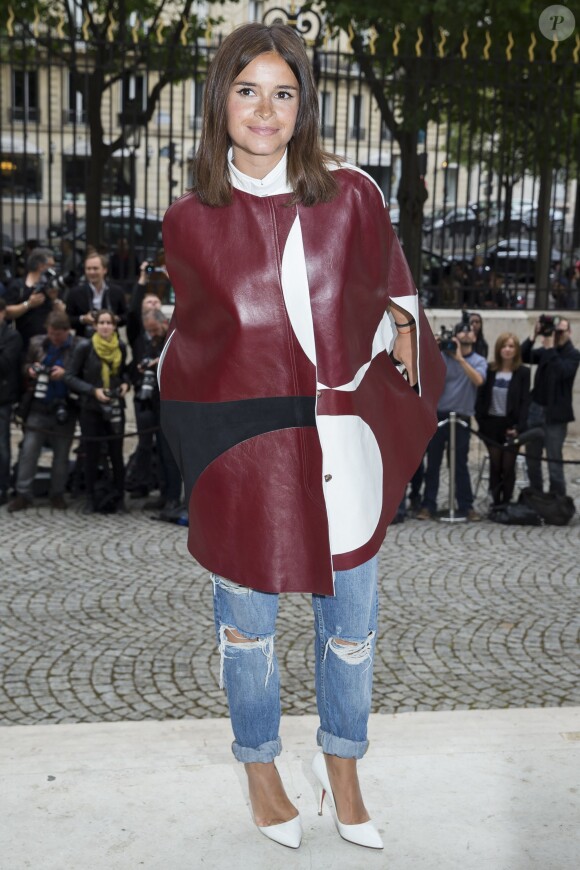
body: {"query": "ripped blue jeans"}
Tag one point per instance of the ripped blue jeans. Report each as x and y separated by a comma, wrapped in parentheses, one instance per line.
(343, 671)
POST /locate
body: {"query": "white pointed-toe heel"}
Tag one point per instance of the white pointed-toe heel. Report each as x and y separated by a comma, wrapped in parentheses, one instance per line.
(287, 833)
(364, 834)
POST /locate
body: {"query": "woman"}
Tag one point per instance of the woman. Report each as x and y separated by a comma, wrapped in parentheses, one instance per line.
(502, 411)
(99, 374)
(282, 405)
(476, 325)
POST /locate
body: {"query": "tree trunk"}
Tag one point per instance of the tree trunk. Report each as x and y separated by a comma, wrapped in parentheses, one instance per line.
(576, 226)
(99, 157)
(544, 235)
(507, 212)
(411, 196)
(94, 195)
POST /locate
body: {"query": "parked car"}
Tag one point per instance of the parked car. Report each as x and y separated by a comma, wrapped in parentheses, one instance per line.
(454, 220)
(515, 258)
(115, 225)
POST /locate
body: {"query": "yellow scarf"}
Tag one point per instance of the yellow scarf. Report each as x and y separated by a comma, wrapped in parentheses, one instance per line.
(110, 354)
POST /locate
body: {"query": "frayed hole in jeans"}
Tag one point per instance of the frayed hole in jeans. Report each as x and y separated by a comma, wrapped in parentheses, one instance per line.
(265, 644)
(229, 586)
(352, 653)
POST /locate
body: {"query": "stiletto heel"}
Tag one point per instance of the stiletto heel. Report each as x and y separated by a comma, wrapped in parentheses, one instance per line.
(321, 801)
(287, 834)
(364, 834)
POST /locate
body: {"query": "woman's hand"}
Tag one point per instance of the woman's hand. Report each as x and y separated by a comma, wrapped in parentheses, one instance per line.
(124, 389)
(405, 350)
(101, 396)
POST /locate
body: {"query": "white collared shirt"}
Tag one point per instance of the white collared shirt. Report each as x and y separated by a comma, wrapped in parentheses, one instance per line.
(272, 183)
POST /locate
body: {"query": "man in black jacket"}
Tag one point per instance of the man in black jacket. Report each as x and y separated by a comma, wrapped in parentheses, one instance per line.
(551, 400)
(51, 415)
(93, 294)
(30, 300)
(10, 351)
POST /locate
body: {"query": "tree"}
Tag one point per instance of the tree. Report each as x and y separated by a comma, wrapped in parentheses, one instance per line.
(418, 85)
(112, 40)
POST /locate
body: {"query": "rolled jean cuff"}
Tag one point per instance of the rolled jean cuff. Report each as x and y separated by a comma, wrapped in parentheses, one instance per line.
(264, 753)
(333, 745)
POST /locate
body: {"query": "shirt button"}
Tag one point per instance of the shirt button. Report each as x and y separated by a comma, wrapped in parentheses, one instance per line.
(328, 477)
(318, 393)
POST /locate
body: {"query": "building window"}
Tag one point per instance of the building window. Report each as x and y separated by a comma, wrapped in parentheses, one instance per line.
(357, 131)
(77, 99)
(256, 10)
(197, 92)
(133, 99)
(20, 176)
(326, 118)
(383, 176)
(25, 96)
(116, 184)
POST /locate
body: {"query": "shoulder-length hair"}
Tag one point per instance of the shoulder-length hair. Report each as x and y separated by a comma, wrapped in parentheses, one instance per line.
(308, 175)
(501, 340)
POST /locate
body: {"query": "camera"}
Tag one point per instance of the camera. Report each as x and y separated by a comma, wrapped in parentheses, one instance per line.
(149, 378)
(60, 410)
(49, 280)
(112, 411)
(445, 339)
(149, 268)
(42, 380)
(548, 323)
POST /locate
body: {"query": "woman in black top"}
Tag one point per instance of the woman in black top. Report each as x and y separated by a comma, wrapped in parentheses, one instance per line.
(476, 325)
(99, 374)
(501, 412)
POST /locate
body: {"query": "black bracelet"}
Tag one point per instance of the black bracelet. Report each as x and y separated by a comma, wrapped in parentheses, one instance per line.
(402, 325)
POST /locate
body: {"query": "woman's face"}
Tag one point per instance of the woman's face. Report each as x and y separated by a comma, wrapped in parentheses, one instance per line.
(261, 111)
(508, 350)
(105, 326)
(475, 324)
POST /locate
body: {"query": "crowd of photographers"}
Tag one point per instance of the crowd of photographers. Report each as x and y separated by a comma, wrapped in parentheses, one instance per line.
(509, 412)
(65, 368)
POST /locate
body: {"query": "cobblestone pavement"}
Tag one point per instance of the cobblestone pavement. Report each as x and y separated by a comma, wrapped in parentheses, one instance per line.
(108, 618)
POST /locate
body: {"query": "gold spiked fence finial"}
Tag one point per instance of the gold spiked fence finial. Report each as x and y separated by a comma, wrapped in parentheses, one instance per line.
(397, 40)
(419, 42)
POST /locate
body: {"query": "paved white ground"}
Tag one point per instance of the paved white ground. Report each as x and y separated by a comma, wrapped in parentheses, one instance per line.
(471, 790)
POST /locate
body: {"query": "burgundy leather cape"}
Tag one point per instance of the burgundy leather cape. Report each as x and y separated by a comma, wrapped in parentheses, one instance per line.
(295, 432)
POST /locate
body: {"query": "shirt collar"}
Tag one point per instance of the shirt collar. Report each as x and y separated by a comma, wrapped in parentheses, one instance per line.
(274, 182)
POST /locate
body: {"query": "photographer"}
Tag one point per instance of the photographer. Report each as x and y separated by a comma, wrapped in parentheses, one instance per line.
(142, 299)
(30, 300)
(98, 373)
(147, 350)
(466, 371)
(50, 415)
(551, 397)
(94, 294)
(10, 351)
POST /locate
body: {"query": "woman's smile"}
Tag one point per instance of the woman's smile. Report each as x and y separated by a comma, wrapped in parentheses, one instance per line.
(261, 113)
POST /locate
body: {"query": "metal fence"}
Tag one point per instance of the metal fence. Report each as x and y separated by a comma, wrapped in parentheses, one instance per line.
(495, 142)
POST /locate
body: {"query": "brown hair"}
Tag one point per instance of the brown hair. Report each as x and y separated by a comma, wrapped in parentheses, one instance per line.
(501, 340)
(92, 253)
(57, 320)
(97, 315)
(308, 175)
